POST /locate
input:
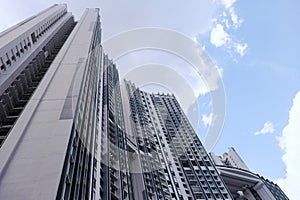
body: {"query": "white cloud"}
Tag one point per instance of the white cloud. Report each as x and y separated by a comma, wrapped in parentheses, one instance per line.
(234, 18)
(221, 33)
(230, 14)
(241, 48)
(195, 15)
(227, 3)
(225, 21)
(268, 128)
(207, 119)
(290, 144)
(218, 36)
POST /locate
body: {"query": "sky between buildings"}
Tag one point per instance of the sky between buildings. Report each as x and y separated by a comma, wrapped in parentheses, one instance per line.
(254, 44)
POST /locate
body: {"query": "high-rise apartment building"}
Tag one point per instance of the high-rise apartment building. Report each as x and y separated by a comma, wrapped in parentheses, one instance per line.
(50, 81)
(171, 161)
(26, 52)
(241, 182)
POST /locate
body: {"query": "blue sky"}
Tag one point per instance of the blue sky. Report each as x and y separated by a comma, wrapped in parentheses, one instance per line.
(256, 46)
(260, 88)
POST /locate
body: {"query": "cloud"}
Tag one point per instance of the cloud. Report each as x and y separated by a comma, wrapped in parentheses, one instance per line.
(228, 21)
(228, 3)
(241, 48)
(230, 11)
(236, 22)
(207, 119)
(268, 128)
(195, 18)
(289, 142)
(218, 36)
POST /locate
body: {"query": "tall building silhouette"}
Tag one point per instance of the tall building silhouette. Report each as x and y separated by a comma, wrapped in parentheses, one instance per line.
(70, 129)
(173, 162)
(49, 106)
(26, 52)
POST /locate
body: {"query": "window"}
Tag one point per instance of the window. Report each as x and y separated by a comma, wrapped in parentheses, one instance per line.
(2, 65)
(8, 62)
(21, 48)
(17, 52)
(25, 45)
(13, 57)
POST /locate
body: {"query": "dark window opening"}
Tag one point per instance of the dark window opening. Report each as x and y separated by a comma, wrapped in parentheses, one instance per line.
(3, 67)
(33, 38)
